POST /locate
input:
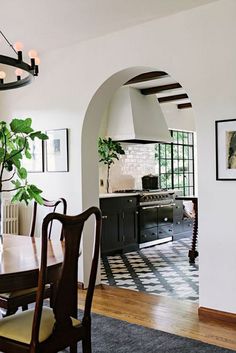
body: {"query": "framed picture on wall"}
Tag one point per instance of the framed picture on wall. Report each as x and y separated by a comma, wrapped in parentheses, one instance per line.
(56, 151)
(225, 132)
(36, 163)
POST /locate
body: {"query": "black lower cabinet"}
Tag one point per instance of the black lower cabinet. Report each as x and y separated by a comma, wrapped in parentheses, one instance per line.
(155, 223)
(119, 225)
(148, 224)
(181, 223)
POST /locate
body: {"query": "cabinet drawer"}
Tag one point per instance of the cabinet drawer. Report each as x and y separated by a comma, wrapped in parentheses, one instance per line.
(110, 204)
(187, 224)
(148, 235)
(164, 231)
(118, 203)
(178, 226)
(129, 202)
(178, 209)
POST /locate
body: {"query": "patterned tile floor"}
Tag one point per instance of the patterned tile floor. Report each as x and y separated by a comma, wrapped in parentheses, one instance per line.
(162, 270)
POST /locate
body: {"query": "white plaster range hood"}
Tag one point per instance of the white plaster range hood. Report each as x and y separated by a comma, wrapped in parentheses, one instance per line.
(133, 117)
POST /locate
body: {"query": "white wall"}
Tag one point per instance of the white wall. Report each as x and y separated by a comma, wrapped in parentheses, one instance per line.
(179, 119)
(196, 48)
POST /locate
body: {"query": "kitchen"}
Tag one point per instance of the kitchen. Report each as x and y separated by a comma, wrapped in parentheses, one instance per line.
(141, 209)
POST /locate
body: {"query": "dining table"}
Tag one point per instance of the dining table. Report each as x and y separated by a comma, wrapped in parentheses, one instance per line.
(20, 261)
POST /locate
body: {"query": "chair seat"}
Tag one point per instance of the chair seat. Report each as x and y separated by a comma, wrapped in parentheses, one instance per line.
(20, 293)
(18, 327)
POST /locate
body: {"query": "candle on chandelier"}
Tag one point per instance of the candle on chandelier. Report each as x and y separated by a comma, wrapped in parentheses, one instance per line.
(2, 76)
(18, 73)
(18, 46)
(32, 54)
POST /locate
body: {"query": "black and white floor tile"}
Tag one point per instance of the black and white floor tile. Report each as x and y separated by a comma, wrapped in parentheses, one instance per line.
(162, 270)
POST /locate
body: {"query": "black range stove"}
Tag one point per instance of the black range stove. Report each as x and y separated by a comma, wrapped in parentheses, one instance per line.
(155, 214)
(152, 197)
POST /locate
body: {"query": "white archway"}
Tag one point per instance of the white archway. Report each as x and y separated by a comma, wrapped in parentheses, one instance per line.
(89, 155)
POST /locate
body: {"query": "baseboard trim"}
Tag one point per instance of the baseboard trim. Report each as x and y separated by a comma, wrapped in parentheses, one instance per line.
(80, 285)
(211, 314)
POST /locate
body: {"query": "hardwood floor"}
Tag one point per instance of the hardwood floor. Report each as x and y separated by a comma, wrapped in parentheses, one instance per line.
(162, 313)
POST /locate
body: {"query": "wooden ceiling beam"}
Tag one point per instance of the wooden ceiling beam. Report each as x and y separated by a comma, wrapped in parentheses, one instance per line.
(158, 89)
(148, 76)
(173, 98)
(184, 105)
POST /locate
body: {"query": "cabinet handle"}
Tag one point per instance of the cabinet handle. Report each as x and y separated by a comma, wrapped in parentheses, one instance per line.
(165, 219)
(104, 217)
(148, 207)
(130, 200)
(136, 212)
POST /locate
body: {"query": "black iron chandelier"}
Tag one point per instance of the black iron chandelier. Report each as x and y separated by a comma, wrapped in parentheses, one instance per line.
(24, 73)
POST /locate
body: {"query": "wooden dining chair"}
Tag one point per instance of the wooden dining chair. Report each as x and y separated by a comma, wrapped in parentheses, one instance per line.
(52, 206)
(51, 330)
(11, 301)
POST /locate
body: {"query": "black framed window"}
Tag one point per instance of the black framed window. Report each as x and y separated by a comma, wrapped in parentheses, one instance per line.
(176, 163)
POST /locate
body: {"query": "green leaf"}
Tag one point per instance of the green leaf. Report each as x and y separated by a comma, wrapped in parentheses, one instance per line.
(35, 189)
(2, 152)
(28, 154)
(18, 195)
(35, 193)
(9, 166)
(22, 173)
(15, 154)
(109, 150)
(20, 125)
(39, 135)
(16, 183)
(16, 162)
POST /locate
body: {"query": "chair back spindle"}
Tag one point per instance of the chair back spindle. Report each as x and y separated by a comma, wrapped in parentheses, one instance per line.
(52, 205)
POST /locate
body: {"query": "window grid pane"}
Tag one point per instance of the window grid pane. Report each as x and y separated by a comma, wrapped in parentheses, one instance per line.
(176, 163)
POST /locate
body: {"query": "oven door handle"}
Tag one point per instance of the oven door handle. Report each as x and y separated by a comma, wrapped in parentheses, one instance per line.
(149, 207)
(157, 206)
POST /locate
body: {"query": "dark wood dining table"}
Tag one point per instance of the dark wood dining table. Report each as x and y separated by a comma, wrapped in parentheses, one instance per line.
(20, 261)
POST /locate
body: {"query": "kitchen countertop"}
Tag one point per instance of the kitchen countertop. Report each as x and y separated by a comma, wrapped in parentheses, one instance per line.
(118, 194)
(123, 194)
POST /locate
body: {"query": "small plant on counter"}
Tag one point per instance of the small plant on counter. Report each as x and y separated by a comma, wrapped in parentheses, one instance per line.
(14, 146)
(109, 151)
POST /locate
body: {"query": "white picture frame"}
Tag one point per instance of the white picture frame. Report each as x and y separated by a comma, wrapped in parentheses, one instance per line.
(36, 163)
(56, 151)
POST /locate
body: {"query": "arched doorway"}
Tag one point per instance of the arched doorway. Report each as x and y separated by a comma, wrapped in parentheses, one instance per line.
(92, 122)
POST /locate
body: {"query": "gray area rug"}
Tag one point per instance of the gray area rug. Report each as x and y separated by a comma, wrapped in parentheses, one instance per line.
(115, 336)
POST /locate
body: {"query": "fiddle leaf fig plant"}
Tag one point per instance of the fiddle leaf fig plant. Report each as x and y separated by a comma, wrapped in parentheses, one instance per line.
(109, 151)
(14, 146)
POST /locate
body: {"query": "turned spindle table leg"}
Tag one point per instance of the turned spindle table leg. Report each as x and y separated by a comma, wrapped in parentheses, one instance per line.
(193, 253)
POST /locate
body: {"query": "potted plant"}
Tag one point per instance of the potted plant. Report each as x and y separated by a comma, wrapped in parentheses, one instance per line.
(14, 145)
(109, 151)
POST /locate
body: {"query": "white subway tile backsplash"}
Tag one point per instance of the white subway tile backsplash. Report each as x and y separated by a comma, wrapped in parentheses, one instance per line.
(127, 172)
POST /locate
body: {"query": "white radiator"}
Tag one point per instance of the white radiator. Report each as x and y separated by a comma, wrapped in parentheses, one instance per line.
(10, 217)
